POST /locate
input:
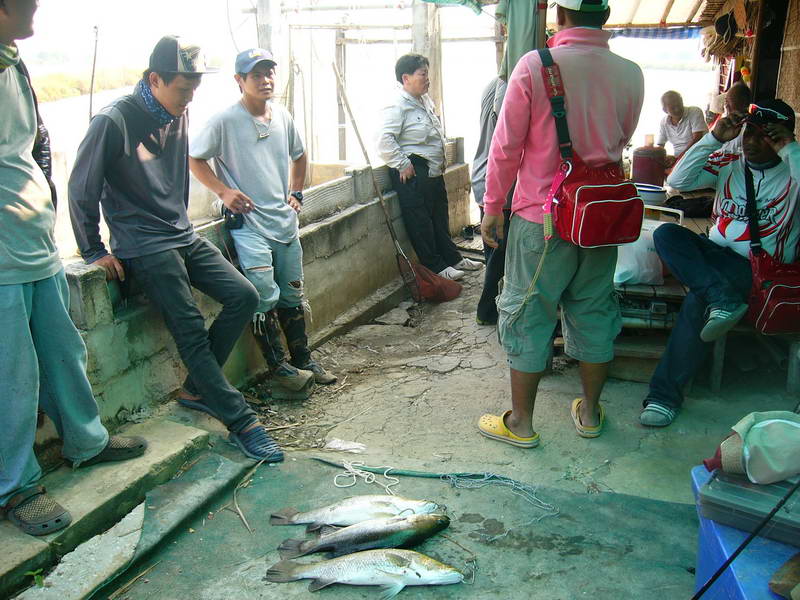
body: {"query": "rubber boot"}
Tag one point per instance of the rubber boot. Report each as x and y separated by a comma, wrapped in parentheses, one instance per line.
(293, 323)
(293, 381)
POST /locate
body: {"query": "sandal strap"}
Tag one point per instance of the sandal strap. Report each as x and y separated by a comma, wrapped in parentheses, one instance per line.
(258, 441)
(23, 496)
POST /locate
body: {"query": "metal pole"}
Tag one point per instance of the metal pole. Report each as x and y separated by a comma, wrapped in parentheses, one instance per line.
(340, 70)
(94, 66)
(264, 19)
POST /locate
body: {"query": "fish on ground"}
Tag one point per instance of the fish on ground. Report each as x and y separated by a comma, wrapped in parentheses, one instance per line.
(392, 570)
(391, 532)
(354, 510)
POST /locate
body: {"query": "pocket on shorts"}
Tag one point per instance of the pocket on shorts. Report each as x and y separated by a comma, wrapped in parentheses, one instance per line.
(510, 332)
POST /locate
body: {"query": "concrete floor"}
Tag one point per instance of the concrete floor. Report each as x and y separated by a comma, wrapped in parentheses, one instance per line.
(412, 396)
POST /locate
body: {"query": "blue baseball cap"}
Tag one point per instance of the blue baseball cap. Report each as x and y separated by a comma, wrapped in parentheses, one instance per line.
(248, 59)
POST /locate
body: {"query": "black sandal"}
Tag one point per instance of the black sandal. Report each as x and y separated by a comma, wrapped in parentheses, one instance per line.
(36, 513)
(118, 448)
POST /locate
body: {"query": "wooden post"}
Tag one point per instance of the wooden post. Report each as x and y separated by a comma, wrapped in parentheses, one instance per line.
(755, 57)
(499, 44)
(340, 66)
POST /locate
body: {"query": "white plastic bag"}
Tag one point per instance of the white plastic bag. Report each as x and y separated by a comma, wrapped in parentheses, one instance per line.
(638, 262)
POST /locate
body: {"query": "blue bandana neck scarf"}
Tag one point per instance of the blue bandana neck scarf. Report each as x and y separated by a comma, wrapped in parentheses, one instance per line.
(158, 112)
(9, 56)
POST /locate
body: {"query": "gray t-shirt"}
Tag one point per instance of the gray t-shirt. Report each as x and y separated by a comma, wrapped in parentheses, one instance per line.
(253, 157)
(27, 215)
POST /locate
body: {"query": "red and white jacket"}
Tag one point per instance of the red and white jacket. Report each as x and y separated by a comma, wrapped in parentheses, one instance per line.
(705, 165)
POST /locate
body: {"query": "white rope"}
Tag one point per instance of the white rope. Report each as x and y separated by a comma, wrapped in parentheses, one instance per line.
(523, 490)
(353, 472)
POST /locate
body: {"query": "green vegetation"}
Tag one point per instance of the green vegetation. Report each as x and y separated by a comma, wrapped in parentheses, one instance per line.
(57, 86)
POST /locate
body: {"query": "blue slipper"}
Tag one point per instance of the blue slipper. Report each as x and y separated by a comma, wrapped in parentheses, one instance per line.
(258, 445)
(197, 406)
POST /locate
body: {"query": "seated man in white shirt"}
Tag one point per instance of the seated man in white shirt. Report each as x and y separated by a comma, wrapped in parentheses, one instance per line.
(411, 143)
(682, 126)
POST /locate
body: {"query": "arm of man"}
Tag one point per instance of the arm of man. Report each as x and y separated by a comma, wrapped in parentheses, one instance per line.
(297, 179)
(297, 174)
(783, 142)
(388, 147)
(506, 150)
(661, 140)
(101, 146)
(695, 170)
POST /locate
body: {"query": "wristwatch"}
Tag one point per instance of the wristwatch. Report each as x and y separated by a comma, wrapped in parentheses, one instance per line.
(298, 195)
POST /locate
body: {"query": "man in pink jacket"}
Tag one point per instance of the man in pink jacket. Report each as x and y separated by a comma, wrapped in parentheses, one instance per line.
(604, 94)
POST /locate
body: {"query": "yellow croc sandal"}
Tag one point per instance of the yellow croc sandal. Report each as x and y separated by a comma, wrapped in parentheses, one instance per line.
(586, 431)
(494, 427)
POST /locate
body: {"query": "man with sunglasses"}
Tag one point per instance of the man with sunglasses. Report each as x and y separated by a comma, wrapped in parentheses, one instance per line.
(252, 144)
(716, 269)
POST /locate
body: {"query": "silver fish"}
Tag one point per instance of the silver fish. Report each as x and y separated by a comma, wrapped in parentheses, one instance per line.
(392, 532)
(354, 510)
(391, 569)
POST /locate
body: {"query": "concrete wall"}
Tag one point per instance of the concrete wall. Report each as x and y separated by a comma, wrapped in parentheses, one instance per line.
(133, 362)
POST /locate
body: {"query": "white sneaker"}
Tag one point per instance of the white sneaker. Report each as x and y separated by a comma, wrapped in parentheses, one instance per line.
(451, 273)
(466, 264)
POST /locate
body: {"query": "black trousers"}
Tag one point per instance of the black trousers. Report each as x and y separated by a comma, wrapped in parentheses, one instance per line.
(423, 204)
(167, 279)
(495, 269)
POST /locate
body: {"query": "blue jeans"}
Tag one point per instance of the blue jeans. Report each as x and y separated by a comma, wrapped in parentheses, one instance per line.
(274, 268)
(42, 363)
(715, 276)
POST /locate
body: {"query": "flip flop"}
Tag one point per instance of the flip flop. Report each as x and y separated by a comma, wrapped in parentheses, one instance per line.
(258, 445)
(36, 513)
(494, 427)
(586, 431)
(194, 405)
(118, 448)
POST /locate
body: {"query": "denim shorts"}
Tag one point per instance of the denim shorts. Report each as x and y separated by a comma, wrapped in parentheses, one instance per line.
(274, 268)
(579, 280)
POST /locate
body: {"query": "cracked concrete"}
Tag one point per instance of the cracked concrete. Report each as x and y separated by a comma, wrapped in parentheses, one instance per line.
(412, 395)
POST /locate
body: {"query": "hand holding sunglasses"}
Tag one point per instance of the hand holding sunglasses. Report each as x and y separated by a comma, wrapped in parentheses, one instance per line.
(777, 135)
(728, 127)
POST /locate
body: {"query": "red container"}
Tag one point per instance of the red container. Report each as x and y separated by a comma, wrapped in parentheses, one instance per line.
(648, 165)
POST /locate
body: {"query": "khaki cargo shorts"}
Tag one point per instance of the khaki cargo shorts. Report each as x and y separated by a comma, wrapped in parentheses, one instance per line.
(581, 280)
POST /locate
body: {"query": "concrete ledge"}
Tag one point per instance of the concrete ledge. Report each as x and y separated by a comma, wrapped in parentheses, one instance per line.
(97, 497)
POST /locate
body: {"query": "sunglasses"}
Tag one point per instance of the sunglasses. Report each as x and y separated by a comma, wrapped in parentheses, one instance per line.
(765, 114)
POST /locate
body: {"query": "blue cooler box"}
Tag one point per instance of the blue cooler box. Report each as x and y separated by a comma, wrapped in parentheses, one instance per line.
(748, 577)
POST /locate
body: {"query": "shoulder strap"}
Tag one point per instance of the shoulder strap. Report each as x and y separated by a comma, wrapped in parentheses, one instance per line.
(752, 212)
(554, 86)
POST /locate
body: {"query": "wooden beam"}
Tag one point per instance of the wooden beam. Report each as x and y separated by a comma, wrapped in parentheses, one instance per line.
(667, 10)
(756, 55)
(694, 11)
(634, 9)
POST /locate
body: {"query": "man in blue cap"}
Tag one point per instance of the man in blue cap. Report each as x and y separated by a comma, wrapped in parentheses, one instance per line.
(252, 144)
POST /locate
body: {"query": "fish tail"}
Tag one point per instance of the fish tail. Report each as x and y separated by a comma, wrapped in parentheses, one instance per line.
(292, 548)
(284, 571)
(283, 517)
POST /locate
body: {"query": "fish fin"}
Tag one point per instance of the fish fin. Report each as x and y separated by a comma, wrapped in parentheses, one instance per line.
(282, 572)
(327, 530)
(283, 517)
(314, 527)
(390, 590)
(291, 548)
(318, 584)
